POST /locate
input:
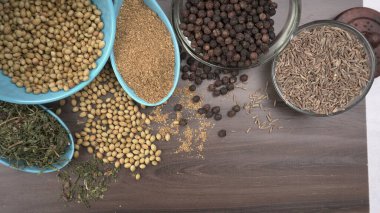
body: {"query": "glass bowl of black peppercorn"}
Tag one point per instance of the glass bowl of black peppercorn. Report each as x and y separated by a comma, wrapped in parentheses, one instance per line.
(235, 34)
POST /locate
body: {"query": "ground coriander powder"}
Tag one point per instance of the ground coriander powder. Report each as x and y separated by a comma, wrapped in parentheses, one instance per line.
(144, 51)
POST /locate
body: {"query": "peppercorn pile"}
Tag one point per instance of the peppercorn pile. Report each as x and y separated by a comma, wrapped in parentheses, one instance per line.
(231, 33)
(222, 83)
(49, 45)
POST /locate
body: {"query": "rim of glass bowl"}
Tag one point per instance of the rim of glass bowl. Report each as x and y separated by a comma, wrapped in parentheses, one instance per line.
(371, 60)
(282, 39)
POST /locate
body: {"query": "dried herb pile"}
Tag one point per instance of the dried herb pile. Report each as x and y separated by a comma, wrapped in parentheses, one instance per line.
(144, 51)
(30, 137)
(323, 70)
(84, 182)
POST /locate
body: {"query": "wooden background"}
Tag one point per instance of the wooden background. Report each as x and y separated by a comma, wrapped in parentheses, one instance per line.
(312, 165)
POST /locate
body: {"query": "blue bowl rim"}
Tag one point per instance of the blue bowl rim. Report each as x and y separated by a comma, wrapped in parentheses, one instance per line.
(107, 50)
(58, 166)
(177, 65)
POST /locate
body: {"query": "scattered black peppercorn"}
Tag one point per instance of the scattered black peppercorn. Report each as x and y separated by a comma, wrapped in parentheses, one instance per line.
(209, 114)
(182, 122)
(196, 99)
(243, 78)
(207, 107)
(178, 107)
(231, 114)
(236, 108)
(201, 111)
(222, 133)
(192, 88)
(218, 117)
(215, 109)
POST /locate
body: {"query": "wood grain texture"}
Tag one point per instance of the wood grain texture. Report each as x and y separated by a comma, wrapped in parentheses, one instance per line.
(312, 165)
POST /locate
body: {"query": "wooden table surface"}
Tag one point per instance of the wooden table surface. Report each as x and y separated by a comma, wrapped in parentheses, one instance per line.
(312, 165)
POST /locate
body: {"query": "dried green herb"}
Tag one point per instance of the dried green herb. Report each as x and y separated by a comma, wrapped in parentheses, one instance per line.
(30, 137)
(84, 182)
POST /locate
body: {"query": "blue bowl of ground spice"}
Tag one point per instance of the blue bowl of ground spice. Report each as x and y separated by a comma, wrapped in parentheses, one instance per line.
(62, 162)
(155, 7)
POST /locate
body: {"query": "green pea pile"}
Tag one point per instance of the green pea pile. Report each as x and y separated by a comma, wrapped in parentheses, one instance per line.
(49, 45)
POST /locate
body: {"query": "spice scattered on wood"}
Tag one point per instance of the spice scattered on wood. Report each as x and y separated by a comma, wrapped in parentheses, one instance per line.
(191, 138)
(30, 136)
(144, 51)
(85, 182)
(323, 69)
(49, 45)
(115, 129)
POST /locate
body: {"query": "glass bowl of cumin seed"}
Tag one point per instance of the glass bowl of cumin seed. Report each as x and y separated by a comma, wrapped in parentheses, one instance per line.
(283, 23)
(326, 69)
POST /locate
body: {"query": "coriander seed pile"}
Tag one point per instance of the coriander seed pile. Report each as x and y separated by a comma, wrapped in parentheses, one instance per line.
(144, 51)
(114, 128)
(323, 69)
(49, 45)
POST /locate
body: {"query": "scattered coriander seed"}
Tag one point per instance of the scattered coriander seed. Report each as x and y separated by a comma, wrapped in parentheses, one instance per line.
(222, 133)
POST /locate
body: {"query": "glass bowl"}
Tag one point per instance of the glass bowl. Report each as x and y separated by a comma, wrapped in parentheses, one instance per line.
(286, 21)
(371, 62)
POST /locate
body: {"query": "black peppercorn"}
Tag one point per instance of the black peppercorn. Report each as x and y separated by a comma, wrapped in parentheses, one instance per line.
(216, 93)
(231, 113)
(236, 108)
(243, 78)
(218, 117)
(207, 107)
(182, 122)
(223, 91)
(215, 109)
(192, 88)
(209, 114)
(178, 107)
(196, 99)
(222, 133)
(201, 111)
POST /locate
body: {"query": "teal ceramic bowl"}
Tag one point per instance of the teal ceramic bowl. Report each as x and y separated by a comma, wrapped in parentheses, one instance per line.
(154, 6)
(9, 92)
(65, 159)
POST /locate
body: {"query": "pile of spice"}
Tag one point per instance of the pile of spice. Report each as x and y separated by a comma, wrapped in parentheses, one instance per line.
(30, 136)
(49, 45)
(223, 81)
(144, 51)
(229, 33)
(114, 128)
(84, 182)
(323, 69)
(180, 120)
